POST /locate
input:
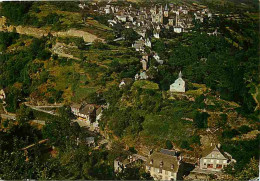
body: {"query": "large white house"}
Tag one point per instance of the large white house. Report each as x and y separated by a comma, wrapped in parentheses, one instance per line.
(178, 85)
(214, 159)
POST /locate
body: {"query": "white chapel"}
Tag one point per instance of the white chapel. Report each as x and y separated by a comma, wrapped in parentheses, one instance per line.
(178, 85)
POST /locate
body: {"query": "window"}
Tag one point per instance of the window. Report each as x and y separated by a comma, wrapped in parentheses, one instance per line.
(217, 161)
(219, 166)
(160, 170)
(205, 160)
(210, 166)
(211, 160)
(172, 166)
(161, 164)
(224, 161)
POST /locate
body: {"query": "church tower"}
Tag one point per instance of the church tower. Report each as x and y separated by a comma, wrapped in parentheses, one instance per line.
(166, 11)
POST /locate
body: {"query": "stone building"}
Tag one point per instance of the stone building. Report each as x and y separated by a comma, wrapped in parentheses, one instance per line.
(214, 159)
(212, 162)
(164, 165)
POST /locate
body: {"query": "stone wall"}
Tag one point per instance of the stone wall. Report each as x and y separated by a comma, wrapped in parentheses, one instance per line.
(39, 32)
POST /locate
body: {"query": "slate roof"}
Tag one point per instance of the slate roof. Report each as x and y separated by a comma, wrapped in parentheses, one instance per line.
(90, 139)
(88, 109)
(215, 149)
(99, 110)
(166, 159)
(168, 152)
(76, 106)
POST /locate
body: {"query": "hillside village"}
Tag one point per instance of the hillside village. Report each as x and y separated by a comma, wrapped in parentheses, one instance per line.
(131, 91)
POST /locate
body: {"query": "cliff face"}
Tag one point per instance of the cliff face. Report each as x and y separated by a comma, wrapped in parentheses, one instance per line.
(39, 32)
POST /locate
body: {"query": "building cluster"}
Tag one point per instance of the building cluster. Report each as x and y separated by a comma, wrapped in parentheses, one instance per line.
(156, 18)
(89, 113)
(170, 165)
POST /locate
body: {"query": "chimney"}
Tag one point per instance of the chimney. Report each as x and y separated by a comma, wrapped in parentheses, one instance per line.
(219, 145)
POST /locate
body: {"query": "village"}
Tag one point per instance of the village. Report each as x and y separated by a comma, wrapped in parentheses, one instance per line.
(150, 22)
(204, 160)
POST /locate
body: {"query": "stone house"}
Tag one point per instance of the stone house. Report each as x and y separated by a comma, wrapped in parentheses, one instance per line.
(143, 75)
(144, 64)
(148, 43)
(2, 94)
(86, 112)
(214, 159)
(90, 141)
(164, 165)
(75, 108)
(177, 29)
(139, 45)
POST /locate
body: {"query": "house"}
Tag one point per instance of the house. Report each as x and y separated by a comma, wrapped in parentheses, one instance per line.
(90, 141)
(156, 34)
(125, 81)
(143, 75)
(128, 25)
(212, 161)
(145, 56)
(122, 18)
(178, 85)
(157, 58)
(87, 112)
(120, 163)
(164, 165)
(148, 43)
(137, 76)
(94, 126)
(177, 29)
(2, 94)
(144, 64)
(75, 108)
(139, 45)
(215, 159)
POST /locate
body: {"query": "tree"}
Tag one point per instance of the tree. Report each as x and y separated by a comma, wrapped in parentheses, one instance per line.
(133, 173)
(250, 171)
(201, 119)
(130, 35)
(98, 44)
(169, 144)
